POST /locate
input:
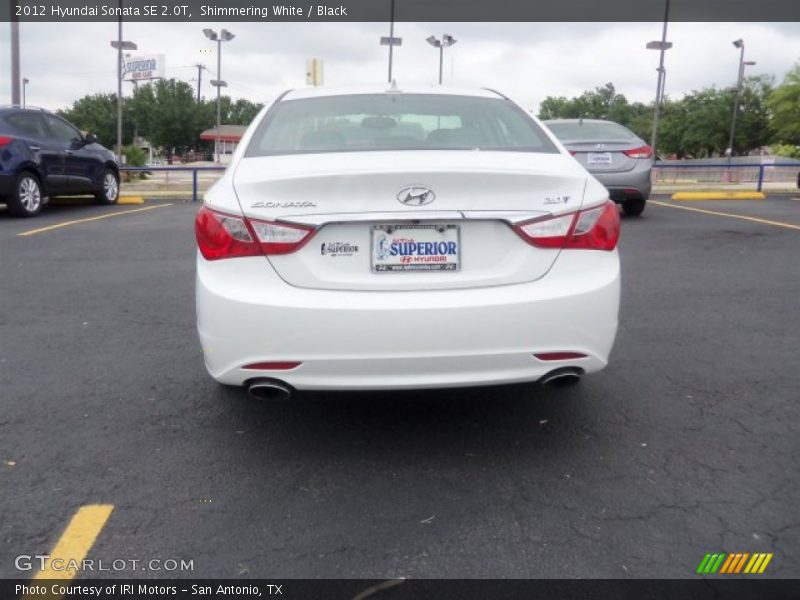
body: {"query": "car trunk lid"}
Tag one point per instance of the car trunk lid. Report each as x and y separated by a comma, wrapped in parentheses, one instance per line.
(355, 200)
(603, 157)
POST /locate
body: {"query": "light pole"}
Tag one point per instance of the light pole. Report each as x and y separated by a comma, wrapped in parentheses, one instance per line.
(119, 44)
(662, 46)
(14, 56)
(391, 41)
(742, 64)
(25, 82)
(447, 40)
(224, 36)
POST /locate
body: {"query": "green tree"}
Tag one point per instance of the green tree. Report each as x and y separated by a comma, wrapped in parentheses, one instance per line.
(97, 113)
(601, 103)
(784, 105)
(706, 122)
(241, 112)
(165, 112)
(698, 125)
(752, 121)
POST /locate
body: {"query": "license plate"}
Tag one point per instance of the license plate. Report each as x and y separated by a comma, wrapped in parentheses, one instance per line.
(599, 158)
(401, 248)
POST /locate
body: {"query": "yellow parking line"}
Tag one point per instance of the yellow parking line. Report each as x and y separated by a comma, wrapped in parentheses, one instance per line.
(731, 215)
(76, 541)
(88, 219)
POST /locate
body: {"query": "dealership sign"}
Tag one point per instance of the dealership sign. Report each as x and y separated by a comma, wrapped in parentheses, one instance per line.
(138, 68)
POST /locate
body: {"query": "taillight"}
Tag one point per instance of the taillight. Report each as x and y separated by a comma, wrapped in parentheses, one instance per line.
(280, 238)
(223, 236)
(640, 152)
(591, 229)
(5, 140)
(220, 235)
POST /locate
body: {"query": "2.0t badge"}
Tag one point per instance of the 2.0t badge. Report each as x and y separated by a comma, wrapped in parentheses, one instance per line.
(416, 195)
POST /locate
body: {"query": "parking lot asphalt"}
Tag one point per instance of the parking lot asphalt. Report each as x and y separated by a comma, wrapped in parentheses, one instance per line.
(686, 444)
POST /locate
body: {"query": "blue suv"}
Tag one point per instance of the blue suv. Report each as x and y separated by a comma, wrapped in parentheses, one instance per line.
(42, 155)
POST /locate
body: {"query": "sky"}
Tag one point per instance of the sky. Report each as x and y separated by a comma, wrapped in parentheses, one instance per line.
(526, 61)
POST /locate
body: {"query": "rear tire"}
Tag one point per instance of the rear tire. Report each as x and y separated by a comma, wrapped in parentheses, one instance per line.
(27, 199)
(109, 192)
(633, 207)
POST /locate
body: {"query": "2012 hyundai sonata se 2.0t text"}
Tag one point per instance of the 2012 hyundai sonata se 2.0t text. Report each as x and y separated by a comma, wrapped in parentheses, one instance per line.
(388, 238)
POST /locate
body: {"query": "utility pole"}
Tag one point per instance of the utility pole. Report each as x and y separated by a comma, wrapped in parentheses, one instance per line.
(199, 79)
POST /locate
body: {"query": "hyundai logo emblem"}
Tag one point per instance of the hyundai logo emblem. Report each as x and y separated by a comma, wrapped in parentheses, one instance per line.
(416, 195)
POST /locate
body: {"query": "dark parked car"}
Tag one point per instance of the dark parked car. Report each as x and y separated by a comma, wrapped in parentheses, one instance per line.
(619, 159)
(42, 155)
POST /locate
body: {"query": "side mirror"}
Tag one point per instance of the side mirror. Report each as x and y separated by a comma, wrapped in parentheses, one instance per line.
(90, 138)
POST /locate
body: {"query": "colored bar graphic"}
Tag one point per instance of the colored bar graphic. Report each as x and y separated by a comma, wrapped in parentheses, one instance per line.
(711, 562)
(734, 563)
(703, 563)
(740, 564)
(765, 563)
(727, 565)
(718, 562)
(754, 563)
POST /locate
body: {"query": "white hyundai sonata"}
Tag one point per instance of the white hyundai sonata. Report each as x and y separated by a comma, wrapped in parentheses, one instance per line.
(403, 237)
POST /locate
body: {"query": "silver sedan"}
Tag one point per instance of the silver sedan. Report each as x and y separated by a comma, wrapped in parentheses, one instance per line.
(617, 158)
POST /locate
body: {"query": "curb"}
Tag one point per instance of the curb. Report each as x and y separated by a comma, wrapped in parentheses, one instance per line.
(682, 196)
(84, 201)
(130, 200)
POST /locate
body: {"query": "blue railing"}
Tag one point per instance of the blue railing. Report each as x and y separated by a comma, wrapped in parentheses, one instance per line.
(724, 167)
(194, 171)
(659, 165)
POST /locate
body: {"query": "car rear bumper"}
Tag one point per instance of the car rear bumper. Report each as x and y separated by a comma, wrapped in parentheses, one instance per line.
(629, 184)
(395, 340)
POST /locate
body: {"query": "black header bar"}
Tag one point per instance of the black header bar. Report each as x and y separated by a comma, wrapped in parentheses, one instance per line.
(700, 588)
(405, 10)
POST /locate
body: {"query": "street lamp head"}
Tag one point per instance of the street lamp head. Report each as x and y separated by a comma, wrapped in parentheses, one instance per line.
(25, 81)
(210, 34)
(124, 45)
(226, 36)
(448, 40)
(433, 41)
(658, 45)
(739, 43)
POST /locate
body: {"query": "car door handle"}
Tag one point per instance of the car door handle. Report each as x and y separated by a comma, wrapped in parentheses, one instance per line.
(69, 152)
(35, 148)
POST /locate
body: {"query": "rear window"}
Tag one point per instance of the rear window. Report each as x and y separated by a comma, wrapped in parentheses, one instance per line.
(364, 122)
(590, 130)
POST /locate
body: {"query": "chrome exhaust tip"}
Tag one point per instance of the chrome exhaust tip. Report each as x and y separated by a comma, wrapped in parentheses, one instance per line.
(269, 389)
(563, 377)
